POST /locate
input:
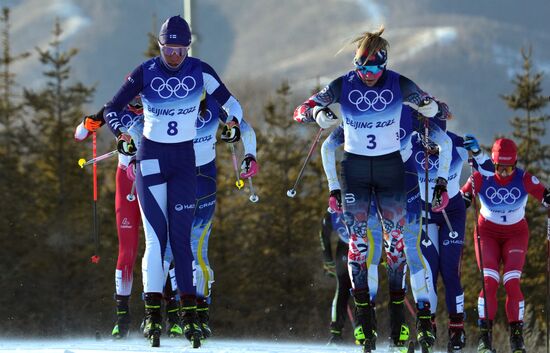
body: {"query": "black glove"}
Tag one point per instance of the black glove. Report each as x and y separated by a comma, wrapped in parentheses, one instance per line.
(231, 132)
(440, 198)
(93, 122)
(335, 200)
(467, 197)
(546, 198)
(126, 145)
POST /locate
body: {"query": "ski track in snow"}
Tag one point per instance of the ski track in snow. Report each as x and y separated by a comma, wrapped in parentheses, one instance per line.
(137, 345)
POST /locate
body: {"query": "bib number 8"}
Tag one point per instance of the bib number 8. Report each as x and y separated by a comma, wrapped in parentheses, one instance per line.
(172, 128)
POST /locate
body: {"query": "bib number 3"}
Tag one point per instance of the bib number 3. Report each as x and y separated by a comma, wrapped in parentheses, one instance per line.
(371, 142)
(172, 128)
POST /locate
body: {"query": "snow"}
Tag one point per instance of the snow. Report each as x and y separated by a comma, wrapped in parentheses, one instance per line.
(167, 345)
(135, 345)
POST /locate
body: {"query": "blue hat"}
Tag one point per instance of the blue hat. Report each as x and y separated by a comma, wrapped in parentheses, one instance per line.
(175, 30)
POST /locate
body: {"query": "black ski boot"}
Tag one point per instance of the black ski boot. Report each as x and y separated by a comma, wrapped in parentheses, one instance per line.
(335, 334)
(457, 337)
(365, 328)
(152, 325)
(516, 337)
(424, 328)
(485, 342)
(190, 321)
(122, 326)
(173, 321)
(399, 330)
(204, 317)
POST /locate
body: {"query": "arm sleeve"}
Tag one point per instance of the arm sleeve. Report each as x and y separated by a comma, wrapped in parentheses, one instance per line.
(248, 136)
(327, 96)
(445, 144)
(533, 186)
(215, 87)
(324, 237)
(482, 162)
(328, 151)
(467, 188)
(131, 88)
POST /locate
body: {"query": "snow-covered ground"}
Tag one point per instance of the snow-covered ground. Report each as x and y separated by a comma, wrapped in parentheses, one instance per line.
(171, 345)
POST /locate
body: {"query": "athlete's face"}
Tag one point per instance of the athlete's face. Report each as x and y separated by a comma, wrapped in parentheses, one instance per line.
(174, 54)
(504, 170)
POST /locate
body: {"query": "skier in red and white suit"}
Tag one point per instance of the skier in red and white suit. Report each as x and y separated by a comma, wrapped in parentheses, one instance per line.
(128, 217)
(504, 236)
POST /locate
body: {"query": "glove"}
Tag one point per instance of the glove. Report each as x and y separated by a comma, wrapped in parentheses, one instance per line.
(429, 108)
(335, 200)
(249, 167)
(231, 132)
(92, 123)
(329, 268)
(467, 197)
(126, 145)
(131, 170)
(471, 144)
(546, 198)
(440, 198)
(324, 117)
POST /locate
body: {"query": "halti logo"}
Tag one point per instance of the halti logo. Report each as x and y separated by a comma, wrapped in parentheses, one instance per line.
(125, 224)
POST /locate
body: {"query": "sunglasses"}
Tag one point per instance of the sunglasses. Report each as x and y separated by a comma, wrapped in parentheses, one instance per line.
(169, 51)
(374, 69)
(501, 168)
(136, 103)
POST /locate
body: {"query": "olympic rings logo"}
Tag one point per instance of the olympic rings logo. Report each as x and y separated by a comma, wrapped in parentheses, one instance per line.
(402, 133)
(370, 99)
(419, 157)
(203, 120)
(128, 120)
(500, 195)
(173, 86)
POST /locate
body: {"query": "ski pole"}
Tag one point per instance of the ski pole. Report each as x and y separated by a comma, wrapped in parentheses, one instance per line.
(548, 283)
(253, 197)
(95, 258)
(478, 239)
(132, 195)
(292, 192)
(82, 162)
(239, 183)
(452, 233)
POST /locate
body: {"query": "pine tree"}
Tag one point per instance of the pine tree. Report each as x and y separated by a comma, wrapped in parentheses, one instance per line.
(59, 184)
(152, 43)
(533, 156)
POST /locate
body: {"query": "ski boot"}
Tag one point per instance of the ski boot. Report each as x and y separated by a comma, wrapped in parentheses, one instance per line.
(173, 322)
(190, 321)
(457, 337)
(122, 326)
(335, 334)
(399, 331)
(516, 337)
(424, 328)
(204, 317)
(485, 336)
(365, 329)
(153, 328)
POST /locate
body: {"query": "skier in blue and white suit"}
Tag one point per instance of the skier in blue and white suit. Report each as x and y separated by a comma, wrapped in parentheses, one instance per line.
(442, 246)
(371, 99)
(170, 86)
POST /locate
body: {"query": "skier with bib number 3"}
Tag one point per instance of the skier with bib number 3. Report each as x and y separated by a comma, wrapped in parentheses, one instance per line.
(504, 235)
(170, 86)
(371, 98)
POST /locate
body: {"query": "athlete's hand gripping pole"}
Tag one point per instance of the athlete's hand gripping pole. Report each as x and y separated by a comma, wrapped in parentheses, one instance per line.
(292, 192)
(95, 258)
(239, 183)
(82, 162)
